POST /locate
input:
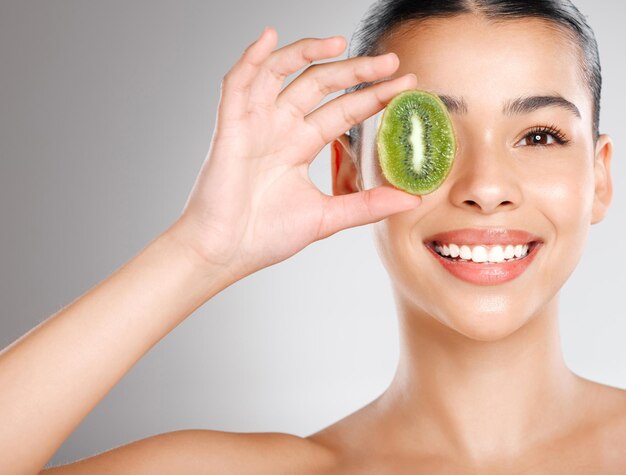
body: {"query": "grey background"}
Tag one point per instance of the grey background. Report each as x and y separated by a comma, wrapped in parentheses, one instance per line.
(107, 110)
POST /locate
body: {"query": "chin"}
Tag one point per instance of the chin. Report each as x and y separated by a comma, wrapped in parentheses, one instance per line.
(486, 315)
(490, 316)
(487, 327)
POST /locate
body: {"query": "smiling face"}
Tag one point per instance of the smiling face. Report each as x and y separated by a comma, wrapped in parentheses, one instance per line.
(515, 92)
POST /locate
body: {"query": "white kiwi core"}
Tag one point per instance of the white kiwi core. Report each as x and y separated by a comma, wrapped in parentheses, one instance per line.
(417, 143)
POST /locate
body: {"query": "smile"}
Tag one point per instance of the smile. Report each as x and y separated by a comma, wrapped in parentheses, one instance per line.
(484, 256)
(483, 253)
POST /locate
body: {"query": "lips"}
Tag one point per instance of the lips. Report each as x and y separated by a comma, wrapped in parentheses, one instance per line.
(485, 273)
(489, 237)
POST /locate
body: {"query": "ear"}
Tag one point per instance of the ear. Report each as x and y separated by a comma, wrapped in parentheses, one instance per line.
(345, 175)
(604, 185)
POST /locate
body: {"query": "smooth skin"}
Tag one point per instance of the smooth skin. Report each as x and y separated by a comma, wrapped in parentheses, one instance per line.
(481, 386)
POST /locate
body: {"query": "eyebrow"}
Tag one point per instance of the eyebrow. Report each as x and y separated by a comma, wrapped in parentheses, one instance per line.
(521, 105)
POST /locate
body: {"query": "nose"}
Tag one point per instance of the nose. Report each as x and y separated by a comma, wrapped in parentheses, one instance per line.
(485, 181)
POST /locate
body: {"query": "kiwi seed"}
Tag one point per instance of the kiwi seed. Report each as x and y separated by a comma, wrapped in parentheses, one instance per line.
(416, 142)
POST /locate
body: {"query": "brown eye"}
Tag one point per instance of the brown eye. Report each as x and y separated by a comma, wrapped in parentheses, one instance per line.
(543, 136)
(539, 138)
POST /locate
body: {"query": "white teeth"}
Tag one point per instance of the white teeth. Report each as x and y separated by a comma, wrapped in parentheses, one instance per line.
(496, 253)
(509, 252)
(479, 254)
(465, 253)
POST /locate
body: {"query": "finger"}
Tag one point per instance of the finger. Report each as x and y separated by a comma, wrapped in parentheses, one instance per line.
(289, 59)
(364, 207)
(339, 115)
(306, 91)
(236, 83)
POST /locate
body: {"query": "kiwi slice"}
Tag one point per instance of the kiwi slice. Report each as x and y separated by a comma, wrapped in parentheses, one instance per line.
(416, 142)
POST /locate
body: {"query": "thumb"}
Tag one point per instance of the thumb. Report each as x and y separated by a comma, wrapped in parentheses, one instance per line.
(364, 207)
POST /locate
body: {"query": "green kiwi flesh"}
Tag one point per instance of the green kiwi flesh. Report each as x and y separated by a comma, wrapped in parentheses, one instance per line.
(416, 142)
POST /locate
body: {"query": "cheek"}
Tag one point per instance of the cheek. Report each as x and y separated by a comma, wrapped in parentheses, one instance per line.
(403, 257)
(393, 243)
(406, 260)
(563, 194)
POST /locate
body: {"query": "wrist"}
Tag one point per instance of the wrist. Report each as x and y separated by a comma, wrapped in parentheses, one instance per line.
(182, 236)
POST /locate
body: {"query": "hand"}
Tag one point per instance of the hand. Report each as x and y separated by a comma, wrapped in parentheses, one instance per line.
(253, 203)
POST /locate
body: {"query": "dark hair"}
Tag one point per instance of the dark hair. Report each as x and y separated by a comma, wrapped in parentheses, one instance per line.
(385, 15)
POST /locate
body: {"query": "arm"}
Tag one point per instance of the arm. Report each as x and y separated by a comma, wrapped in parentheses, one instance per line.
(252, 206)
(82, 351)
(207, 452)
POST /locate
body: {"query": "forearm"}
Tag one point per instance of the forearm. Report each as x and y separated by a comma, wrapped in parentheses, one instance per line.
(55, 374)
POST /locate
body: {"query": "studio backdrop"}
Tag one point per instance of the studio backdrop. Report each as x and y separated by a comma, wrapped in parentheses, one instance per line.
(106, 113)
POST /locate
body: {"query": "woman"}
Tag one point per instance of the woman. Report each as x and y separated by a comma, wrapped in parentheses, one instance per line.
(481, 386)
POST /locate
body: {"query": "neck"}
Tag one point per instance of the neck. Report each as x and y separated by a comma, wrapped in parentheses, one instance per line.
(483, 399)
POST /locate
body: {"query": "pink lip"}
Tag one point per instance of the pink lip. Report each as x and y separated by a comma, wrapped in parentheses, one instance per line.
(475, 236)
(485, 273)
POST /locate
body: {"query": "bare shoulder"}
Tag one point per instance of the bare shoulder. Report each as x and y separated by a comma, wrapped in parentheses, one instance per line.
(604, 432)
(608, 406)
(208, 452)
(616, 414)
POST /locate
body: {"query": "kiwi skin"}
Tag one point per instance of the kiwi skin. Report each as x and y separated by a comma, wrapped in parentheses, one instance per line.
(395, 148)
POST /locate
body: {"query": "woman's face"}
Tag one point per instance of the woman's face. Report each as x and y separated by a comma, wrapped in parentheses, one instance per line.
(502, 178)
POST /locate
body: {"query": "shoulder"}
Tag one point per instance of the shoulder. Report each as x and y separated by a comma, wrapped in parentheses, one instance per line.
(604, 431)
(208, 452)
(614, 420)
(607, 405)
